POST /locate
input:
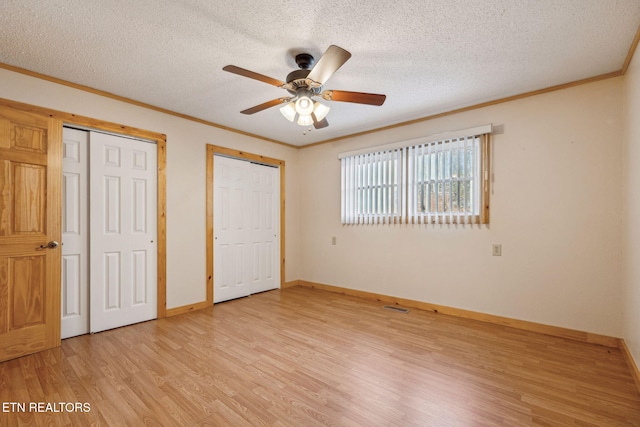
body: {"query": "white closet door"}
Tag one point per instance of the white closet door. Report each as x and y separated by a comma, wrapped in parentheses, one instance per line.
(265, 228)
(231, 197)
(246, 228)
(123, 206)
(75, 233)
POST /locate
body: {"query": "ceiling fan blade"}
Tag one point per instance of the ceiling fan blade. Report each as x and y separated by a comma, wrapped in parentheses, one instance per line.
(319, 124)
(328, 64)
(357, 97)
(265, 105)
(252, 75)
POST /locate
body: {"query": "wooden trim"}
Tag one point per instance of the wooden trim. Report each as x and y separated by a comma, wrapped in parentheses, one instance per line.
(209, 212)
(635, 372)
(209, 219)
(136, 103)
(472, 107)
(158, 138)
(290, 284)
(555, 331)
(204, 304)
(632, 51)
(54, 213)
(162, 228)
(244, 155)
(282, 224)
(187, 308)
(485, 147)
(211, 151)
(84, 121)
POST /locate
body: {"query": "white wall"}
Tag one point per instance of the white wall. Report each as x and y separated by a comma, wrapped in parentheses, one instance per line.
(631, 210)
(555, 209)
(186, 167)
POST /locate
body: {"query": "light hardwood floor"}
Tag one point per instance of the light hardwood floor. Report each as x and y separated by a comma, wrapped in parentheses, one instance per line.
(305, 357)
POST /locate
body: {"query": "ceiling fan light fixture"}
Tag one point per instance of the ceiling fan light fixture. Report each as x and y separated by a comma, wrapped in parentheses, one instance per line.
(320, 111)
(304, 105)
(289, 111)
(305, 120)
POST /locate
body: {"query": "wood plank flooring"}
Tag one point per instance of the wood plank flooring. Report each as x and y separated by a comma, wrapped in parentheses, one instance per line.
(305, 357)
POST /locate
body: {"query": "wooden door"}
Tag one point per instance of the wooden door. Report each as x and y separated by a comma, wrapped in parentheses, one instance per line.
(123, 229)
(30, 208)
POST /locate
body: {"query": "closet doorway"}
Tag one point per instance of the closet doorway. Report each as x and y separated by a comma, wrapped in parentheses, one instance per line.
(109, 231)
(246, 227)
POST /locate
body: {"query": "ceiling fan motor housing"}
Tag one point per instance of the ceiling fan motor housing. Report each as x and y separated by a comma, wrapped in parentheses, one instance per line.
(297, 80)
(304, 61)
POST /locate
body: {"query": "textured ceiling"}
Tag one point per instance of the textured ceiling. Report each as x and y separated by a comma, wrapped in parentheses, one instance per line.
(427, 56)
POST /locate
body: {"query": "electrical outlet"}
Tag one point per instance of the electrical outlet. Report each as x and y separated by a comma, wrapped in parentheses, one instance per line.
(497, 250)
(334, 240)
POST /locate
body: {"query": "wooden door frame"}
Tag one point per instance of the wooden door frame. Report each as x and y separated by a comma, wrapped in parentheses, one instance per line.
(101, 125)
(229, 152)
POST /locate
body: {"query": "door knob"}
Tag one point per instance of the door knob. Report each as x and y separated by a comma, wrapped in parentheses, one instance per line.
(51, 245)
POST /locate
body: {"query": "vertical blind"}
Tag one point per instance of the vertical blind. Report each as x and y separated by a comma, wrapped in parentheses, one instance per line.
(371, 185)
(440, 181)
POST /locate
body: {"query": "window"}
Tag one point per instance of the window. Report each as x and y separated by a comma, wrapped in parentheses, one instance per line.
(371, 187)
(420, 182)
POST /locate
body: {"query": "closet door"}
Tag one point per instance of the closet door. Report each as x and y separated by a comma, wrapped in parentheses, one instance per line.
(123, 204)
(75, 233)
(231, 239)
(246, 224)
(265, 228)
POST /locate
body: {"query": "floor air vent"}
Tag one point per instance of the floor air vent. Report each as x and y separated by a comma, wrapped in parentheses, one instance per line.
(398, 309)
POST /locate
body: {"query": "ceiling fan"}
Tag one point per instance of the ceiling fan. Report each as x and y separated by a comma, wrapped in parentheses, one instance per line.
(306, 83)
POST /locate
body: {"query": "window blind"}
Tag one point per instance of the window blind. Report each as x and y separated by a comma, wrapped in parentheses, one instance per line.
(423, 181)
(478, 130)
(443, 184)
(371, 187)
